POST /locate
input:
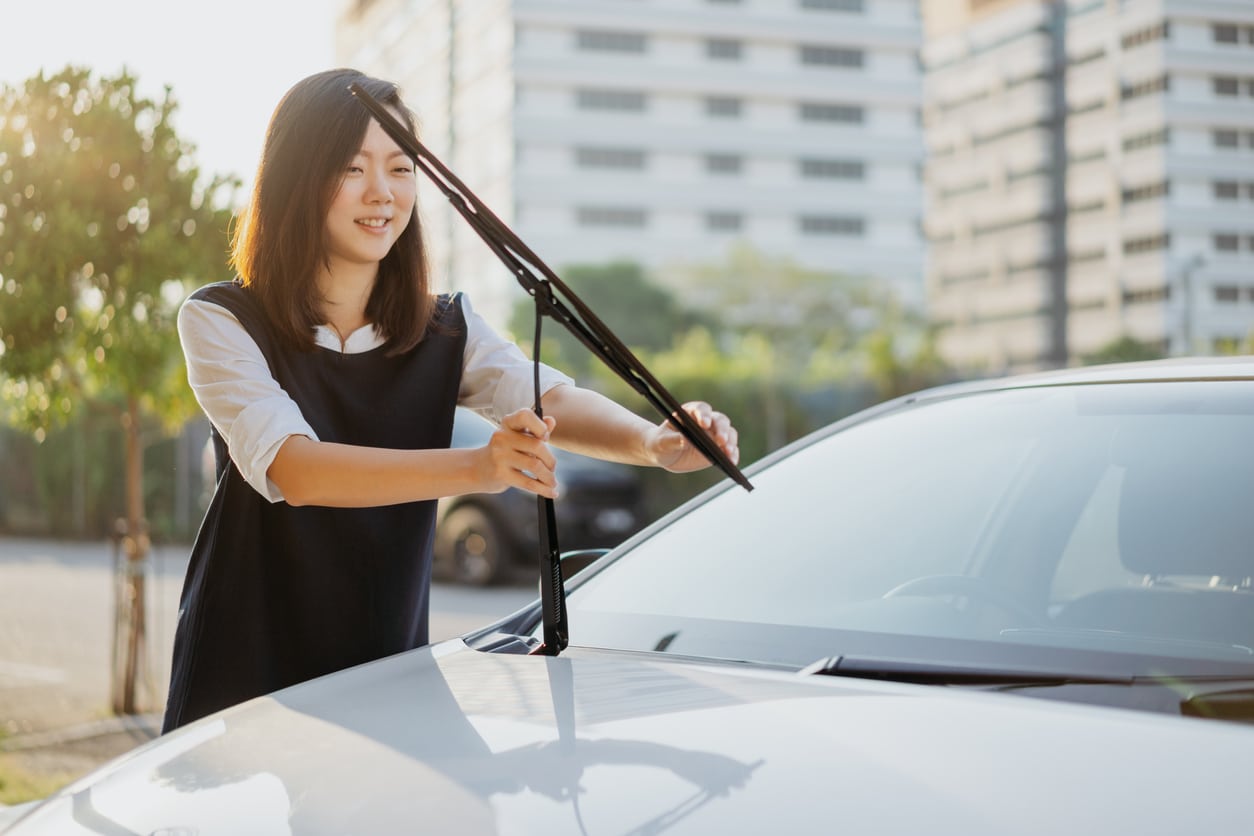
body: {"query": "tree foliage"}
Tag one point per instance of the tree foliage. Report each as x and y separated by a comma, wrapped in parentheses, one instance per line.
(818, 329)
(1122, 350)
(104, 225)
(781, 348)
(642, 314)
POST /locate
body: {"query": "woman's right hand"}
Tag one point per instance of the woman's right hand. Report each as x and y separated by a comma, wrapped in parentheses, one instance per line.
(518, 456)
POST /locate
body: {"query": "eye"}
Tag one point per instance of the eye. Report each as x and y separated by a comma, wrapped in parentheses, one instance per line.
(404, 169)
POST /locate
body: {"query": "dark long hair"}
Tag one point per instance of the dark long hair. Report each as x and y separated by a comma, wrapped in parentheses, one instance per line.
(278, 243)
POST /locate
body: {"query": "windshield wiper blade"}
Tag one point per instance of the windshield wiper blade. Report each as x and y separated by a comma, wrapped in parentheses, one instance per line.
(551, 294)
(948, 673)
(931, 672)
(557, 301)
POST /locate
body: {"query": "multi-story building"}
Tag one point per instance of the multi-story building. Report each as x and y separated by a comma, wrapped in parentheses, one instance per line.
(661, 131)
(1090, 176)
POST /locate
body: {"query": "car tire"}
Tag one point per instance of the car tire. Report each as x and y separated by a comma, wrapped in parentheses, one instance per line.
(471, 548)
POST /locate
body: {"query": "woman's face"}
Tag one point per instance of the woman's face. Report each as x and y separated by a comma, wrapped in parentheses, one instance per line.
(373, 205)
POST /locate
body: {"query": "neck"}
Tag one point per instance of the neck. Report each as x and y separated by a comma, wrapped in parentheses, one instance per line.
(344, 294)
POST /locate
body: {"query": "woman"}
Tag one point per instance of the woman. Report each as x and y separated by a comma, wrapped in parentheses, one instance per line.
(330, 375)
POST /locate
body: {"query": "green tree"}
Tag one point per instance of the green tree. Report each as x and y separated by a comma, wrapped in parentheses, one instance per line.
(816, 329)
(1121, 350)
(644, 315)
(105, 224)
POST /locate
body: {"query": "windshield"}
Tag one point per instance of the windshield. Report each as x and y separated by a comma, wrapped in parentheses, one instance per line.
(1098, 518)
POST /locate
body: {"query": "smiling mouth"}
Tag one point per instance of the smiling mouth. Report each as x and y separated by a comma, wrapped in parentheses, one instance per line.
(374, 223)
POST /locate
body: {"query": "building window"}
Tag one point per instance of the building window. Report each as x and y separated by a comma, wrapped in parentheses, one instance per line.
(1095, 205)
(1086, 156)
(1147, 140)
(724, 221)
(1227, 293)
(1226, 189)
(972, 187)
(1145, 36)
(1150, 243)
(613, 158)
(823, 112)
(1087, 58)
(833, 5)
(1225, 33)
(610, 40)
(723, 106)
(1226, 86)
(1150, 192)
(723, 49)
(1224, 138)
(723, 163)
(1086, 256)
(1141, 297)
(844, 225)
(611, 216)
(1147, 88)
(621, 100)
(1226, 242)
(816, 169)
(831, 56)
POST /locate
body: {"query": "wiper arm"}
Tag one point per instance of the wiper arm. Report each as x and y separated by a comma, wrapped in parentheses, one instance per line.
(551, 294)
(554, 299)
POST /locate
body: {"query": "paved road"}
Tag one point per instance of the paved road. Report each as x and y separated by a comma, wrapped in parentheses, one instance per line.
(56, 612)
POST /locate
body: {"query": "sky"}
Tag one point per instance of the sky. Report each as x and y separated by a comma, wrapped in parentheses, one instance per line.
(227, 61)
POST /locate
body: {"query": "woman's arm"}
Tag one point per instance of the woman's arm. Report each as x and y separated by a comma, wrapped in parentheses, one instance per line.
(594, 425)
(312, 472)
(497, 378)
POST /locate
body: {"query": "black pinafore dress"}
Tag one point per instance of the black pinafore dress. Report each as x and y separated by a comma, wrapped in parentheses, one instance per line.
(275, 594)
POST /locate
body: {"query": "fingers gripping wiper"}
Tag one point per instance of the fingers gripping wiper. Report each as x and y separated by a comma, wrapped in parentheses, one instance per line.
(554, 299)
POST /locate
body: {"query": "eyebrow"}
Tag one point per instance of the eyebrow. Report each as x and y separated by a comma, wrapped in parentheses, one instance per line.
(361, 152)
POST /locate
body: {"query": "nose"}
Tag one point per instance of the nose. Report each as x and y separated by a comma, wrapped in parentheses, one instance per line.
(377, 188)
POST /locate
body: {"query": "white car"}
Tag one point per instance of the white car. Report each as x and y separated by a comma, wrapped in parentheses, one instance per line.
(1016, 606)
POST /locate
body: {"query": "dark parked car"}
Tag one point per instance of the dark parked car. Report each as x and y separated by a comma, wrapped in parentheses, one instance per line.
(486, 538)
(1022, 606)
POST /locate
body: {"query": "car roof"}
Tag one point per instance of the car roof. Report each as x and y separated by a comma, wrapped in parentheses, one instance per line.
(1175, 368)
(1143, 371)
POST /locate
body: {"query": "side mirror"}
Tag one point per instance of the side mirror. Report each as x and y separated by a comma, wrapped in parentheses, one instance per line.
(574, 562)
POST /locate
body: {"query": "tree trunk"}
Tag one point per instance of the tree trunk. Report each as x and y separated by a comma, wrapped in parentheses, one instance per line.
(130, 656)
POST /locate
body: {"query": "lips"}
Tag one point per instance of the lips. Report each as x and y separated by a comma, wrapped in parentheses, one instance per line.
(374, 223)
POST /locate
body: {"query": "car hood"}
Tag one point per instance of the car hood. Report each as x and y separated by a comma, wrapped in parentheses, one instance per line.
(452, 740)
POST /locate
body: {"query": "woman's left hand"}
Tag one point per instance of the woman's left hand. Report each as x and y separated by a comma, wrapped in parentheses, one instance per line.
(672, 451)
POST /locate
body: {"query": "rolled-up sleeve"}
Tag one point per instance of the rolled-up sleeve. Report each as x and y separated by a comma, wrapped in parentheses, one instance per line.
(497, 378)
(233, 385)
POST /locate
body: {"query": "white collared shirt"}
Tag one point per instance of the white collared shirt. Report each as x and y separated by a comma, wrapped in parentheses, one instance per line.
(232, 382)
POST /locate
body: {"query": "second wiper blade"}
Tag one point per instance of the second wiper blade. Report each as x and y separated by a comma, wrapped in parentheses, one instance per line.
(943, 673)
(931, 672)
